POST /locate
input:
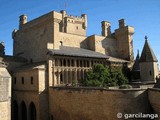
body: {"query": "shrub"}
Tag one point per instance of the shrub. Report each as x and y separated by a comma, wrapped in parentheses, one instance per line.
(101, 76)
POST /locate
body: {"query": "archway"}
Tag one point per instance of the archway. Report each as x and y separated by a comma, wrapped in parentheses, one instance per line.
(15, 110)
(23, 111)
(32, 112)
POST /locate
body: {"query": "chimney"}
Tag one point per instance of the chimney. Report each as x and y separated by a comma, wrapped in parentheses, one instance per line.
(84, 16)
(22, 20)
(122, 23)
(106, 29)
(2, 48)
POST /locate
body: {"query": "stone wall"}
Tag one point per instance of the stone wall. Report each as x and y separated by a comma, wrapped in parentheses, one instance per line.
(40, 100)
(37, 33)
(149, 71)
(5, 110)
(5, 92)
(95, 104)
(72, 40)
(103, 45)
(154, 98)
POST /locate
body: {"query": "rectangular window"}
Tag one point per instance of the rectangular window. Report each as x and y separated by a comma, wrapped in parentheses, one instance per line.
(31, 80)
(15, 80)
(150, 73)
(22, 80)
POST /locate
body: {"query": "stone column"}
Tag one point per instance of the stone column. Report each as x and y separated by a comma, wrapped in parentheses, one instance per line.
(66, 62)
(75, 63)
(70, 74)
(62, 62)
(50, 72)
(75, 74)
(19, 111)
(63, 75)
(79, 74)
(58, 78)
(58, 62)
(83, 74)
(66, 75)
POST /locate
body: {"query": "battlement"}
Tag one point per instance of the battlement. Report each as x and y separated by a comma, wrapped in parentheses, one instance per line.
(73, 24)
(67, 23)
(79, 18)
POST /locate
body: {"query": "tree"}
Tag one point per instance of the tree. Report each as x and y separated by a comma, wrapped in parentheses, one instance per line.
(101, 76)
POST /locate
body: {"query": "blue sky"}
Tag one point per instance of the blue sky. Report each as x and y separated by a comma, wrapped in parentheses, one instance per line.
(144, 15)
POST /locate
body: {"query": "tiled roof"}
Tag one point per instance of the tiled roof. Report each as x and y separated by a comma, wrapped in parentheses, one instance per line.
(113, 59)
(76, 52)
(148, 54)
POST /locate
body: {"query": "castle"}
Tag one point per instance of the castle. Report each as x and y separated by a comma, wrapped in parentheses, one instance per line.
(53, 51)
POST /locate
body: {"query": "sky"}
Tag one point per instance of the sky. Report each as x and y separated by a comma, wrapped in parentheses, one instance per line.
(143, 15)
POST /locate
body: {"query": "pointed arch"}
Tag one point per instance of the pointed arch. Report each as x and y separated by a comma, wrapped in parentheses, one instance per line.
(23, 111)
(32, 111)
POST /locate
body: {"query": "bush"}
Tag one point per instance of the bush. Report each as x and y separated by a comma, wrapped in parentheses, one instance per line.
(101, 76)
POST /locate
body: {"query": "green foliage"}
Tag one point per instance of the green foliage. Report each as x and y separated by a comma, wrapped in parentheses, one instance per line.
(75, 83)
(101, 76)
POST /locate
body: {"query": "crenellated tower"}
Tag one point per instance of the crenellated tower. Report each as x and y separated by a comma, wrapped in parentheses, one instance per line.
(73, 24)
(106, 28)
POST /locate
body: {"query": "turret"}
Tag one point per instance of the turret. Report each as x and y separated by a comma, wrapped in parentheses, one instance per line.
(22, 20)
(63, 21)
(125, 41)
(2, 48)
(84, 16)
(106, 30)
(148, 63)
(122, 23)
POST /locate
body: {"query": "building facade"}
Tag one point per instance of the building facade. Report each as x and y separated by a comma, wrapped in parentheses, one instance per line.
(53, 50)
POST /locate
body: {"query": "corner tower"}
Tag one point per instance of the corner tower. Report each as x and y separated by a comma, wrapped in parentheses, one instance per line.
(106, 28)
(148, 63)
(125, 41)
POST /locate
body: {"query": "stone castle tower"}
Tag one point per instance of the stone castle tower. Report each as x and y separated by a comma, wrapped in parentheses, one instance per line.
(125, 40)
(148, 63)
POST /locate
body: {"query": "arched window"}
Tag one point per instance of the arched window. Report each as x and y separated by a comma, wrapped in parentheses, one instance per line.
(15, 110)
(23, 111)
(32, 112)
(72, 63)
(68, 63)
(60, 43)
(56, 62)
(77, 63)
(64, 62)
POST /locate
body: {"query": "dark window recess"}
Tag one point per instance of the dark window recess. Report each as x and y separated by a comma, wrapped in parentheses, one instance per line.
(22, 80)
(31, 61)
(31, 80)
(150, 73)
(15, 80)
